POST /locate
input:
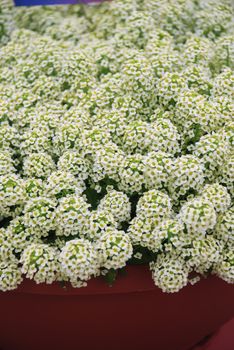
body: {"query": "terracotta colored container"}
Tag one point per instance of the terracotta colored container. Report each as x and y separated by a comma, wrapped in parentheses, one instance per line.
(133, 314)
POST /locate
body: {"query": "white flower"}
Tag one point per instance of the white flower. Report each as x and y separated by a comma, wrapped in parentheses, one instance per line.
(186, 177)
(61, 184)
(39, 165)
(12, 194)
(100, 221)
(6, 163)
(169, 87)
(6, 248)
(10, 276)
(131, 174)
(169, 273)
(158, 166)
(40, 262)
(203, 254)
(72, 216)
(167, 236)
(163, 136)
(198, 216)
(74, 163)
(21, 236)
(154, 205)
(79, 261)
(225, 267)
(114, 249)
(226, 173)
(140, 231)
(217, 195)
(224, 228)
(118, 204)
(212, 150)
(39, 215)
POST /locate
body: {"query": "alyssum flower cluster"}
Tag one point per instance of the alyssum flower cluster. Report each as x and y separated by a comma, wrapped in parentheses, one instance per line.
(117, 141)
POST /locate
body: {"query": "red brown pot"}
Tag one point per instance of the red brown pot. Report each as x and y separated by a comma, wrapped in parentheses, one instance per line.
(133, 314)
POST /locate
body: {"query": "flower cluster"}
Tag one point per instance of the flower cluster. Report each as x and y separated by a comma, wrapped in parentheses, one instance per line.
(39, 262)
(116, 141)
(79, 261)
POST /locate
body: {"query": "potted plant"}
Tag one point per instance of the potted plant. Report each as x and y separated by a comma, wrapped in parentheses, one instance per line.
(116, 168)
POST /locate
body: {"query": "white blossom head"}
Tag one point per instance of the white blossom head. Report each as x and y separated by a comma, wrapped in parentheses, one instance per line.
(39, 215)
(167, 236)
(40, 263)
(204, 254)
(163, 136)
(6, 247)
(118, 204)
(61, 184)
(131, 174)
(10, 276)
(154, 205)
(212, 150)
(169, 87)
(158, 166)
(114, 249)
(217, 195)
(186, 177)
(224, 228)
(6, 163)
(74, 163)
(198, 216)
(38, 165)
(225, 267)
(169, 273)
(72, 216)
(79, 261)
(12, 194)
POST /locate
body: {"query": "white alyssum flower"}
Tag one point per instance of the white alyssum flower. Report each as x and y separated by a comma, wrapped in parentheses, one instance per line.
(118, 204)
(10, 276)
(225, 267)
(217, 195)
(79, 261)
(169, 87)
(226, 173)
(169, 273)
(72, 216)
(34, 188)
(198, 215)
(212, 150)
(163, 136)
(38, 165)
(12, 193)
(21, 236)
(167, 236)
(186, 177)
(114, 249)
(40, 263)
(6, 248)
(158, 167)
(131, 174)
(140, 231)
(203, 254)
(6, 163)
(100, 220)
(61, 184)
(74, 163)
(39, 215)
(224, 229)
(154, 205)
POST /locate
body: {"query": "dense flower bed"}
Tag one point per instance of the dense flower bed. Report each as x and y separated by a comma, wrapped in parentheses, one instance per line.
(117, 141)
